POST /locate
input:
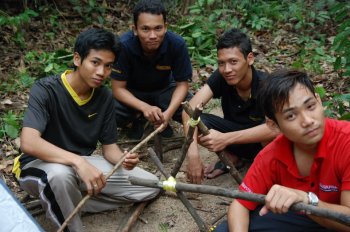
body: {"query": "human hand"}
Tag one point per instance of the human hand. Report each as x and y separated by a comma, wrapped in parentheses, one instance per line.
(194, 169)
(92, 177)
(214, 141)
(153, 114)
(280, 198)
(130, 161)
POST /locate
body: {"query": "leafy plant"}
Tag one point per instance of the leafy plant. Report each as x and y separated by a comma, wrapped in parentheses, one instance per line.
(336, 105)
(341, 43)
(10, 125)
(17, 24)
(164, 227)
(90, 10)
(44, 63)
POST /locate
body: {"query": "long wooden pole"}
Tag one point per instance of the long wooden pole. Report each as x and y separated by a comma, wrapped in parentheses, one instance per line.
(83, 201)
(188, 141)
(204, 130)
(259, 198)
(200, 223)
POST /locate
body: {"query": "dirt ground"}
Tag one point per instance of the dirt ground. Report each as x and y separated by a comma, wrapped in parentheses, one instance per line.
(166, 213)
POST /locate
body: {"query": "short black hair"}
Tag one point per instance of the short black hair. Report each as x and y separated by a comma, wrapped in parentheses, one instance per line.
(274, 90)
(149, 6)
(235, 38)
(98, 39)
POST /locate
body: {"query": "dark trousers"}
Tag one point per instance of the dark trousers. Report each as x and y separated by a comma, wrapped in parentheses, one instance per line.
(247, 151)
(160, 98)
(288, 222)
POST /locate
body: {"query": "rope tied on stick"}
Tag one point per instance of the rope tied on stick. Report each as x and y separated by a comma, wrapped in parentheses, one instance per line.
(169, 184)
(193, 123)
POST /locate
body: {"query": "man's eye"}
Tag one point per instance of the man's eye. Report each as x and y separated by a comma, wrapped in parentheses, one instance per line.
(145, 29)
(290, 116)
(311, 106)
(94, 62)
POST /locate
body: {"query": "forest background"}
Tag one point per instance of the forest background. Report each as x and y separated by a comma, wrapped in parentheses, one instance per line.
(37, 38)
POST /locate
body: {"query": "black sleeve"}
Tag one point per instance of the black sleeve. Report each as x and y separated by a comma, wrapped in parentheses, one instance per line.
(37, 114)
(121, 67)
(109, 127)
(215, 83)
(182, 67)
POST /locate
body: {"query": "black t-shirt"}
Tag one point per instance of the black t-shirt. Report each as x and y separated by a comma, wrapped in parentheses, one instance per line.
(247, 113)
(67, 122)
(142, 73)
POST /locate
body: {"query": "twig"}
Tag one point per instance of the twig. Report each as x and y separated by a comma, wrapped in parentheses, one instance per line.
(259, 198)
(200, 223)
(188, 141)
(83, 201)
(204, 130)
(132, 217)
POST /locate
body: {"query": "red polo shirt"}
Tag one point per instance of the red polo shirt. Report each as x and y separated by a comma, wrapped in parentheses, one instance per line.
(330, 171)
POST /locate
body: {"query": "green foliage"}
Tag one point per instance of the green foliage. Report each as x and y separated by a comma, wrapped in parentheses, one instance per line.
(312, 55)
(341, 43)
(163, 227)
(10, 125)
(201, 27)
(336, 105)
(90, 11)
(44, 63)
(17, 24)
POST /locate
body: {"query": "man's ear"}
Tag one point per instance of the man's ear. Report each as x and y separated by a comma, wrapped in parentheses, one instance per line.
(134, 30)
(272, 125)
(250, 58)
(318, 98)
(76, 59)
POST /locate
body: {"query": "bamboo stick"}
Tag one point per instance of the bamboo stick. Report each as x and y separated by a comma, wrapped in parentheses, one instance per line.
(83, 201)
(188, 141)
(200, 223)
(259, 198)
(204, 130)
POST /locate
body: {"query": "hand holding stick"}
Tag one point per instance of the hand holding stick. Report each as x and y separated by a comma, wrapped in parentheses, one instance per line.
(83, 201)
(204, 130)
(218, 191)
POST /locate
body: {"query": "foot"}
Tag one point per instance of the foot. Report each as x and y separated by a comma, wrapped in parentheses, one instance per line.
(215, 170)
(218, 168)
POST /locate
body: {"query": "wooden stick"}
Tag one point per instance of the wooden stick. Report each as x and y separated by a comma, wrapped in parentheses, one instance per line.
(259, 198)
(188, 141)
(204, 130)
(158, 146)
(137, 210)
(83, 201)
(200, 223)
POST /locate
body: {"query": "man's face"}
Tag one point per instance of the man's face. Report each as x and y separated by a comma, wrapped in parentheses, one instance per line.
(150, 28)
(302, 119)
(232, 65)
(95, 68)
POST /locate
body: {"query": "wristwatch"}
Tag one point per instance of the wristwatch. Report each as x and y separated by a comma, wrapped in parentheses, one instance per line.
(313, 199)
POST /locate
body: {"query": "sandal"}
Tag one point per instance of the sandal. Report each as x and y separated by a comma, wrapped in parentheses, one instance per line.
(219, 169)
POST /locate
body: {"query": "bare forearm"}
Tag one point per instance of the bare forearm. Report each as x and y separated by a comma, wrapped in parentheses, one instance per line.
(32, 144)
(330, 224)
(257, 134)
(125, 96)
(237, 217)
(112, 153)
(178, 96)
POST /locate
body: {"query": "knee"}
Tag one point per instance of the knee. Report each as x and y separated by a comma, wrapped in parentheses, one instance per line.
(61, 175)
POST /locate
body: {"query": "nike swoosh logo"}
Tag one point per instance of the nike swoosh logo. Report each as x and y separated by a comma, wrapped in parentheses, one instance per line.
(91, 115)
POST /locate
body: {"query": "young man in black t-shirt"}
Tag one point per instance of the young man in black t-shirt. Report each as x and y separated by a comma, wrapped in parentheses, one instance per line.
(67, 115)
(150, 78)
(242, 130)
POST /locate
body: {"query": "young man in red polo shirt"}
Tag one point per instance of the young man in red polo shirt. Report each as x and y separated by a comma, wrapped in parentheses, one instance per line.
(309, 162)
